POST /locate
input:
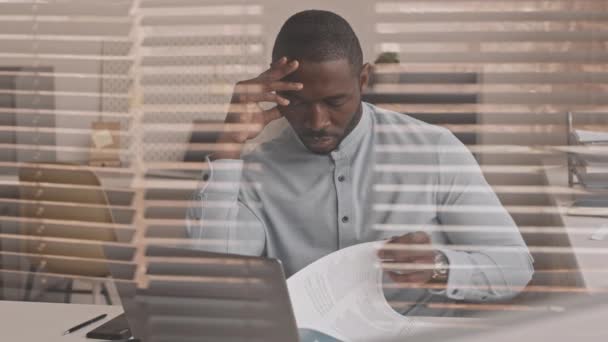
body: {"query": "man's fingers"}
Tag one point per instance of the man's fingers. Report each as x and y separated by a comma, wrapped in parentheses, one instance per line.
(418, 237)
(264, 97)
(270, 80)
(278, 62)
(386, 254)
(401, 252)
(405, 252)
(421, 237)
(248, 88)
(259, 88)
(273, 66)
(415, 277)
(405, 267)
(280, 70)
(286, 86)
(271, 115)
(412, 258)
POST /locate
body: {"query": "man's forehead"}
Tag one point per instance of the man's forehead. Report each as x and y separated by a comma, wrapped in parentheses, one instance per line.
(332, 71)
(324, 80)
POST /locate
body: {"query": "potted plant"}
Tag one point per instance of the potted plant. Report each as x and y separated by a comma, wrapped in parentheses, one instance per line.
(385, 77)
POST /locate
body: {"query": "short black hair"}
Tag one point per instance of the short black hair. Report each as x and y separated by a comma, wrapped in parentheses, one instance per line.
(318, 36)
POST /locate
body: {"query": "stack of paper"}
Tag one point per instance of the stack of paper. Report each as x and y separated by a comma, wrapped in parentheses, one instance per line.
(591, 158)
(341, 295)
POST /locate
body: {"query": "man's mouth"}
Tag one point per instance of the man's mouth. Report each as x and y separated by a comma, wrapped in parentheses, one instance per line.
(318, 141)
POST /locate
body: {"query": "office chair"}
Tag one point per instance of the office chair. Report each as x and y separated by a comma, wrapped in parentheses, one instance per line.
(71, 194)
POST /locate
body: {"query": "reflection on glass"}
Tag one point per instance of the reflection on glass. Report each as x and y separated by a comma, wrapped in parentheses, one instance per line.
(166, 156)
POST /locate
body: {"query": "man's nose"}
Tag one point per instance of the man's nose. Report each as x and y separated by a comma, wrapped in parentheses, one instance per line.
(319, 118)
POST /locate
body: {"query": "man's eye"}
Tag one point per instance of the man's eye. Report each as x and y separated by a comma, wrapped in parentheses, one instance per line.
(336, 103)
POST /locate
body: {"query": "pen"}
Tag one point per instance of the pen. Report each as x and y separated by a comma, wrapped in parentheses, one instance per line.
(84, 324)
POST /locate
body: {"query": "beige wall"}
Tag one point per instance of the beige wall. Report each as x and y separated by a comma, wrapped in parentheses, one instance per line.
(359, 13)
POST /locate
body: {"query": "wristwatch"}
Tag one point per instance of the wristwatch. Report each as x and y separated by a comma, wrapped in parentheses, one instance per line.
(442, 268)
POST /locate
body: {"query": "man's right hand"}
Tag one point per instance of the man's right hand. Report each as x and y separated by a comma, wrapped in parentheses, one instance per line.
(246, 119)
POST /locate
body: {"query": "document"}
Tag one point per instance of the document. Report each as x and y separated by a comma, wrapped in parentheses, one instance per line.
(341, 295)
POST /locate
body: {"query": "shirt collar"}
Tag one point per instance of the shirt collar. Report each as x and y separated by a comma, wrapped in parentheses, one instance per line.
(349, 144)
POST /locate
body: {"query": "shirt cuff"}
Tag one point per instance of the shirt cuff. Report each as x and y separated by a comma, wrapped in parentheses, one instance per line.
(460, 273)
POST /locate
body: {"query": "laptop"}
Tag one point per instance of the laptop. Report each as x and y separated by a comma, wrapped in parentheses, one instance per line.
(194, 295)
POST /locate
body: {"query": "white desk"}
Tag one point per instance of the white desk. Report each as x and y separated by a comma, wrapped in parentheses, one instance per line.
(45, 322)
(557, 175)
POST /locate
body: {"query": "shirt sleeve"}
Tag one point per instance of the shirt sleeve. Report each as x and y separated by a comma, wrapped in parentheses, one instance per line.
(487, 255)
(218, 219)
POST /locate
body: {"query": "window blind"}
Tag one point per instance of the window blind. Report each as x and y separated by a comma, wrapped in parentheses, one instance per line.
(66, 71)
(155, 77)
(503, 76)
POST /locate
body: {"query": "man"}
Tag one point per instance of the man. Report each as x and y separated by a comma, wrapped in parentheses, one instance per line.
(343, 172)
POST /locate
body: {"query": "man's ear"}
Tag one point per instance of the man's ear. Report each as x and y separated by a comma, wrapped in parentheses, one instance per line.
(364, 76)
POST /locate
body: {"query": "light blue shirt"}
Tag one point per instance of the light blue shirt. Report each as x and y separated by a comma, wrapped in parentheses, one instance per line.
(391, 175)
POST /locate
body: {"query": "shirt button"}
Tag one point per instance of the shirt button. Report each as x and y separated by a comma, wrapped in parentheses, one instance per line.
(344, 219)
(341, 178)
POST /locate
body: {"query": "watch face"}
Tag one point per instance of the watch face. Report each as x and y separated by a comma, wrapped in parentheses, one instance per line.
(441, 267)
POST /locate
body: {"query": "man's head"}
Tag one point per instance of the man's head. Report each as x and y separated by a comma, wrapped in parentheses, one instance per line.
(332, 71)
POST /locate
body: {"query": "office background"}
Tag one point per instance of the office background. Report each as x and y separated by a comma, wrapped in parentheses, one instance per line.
(153, 77)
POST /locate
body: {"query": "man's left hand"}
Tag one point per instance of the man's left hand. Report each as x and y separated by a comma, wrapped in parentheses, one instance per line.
(396, 256)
